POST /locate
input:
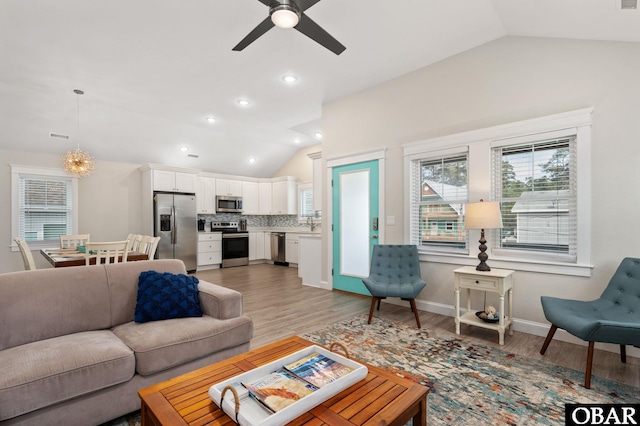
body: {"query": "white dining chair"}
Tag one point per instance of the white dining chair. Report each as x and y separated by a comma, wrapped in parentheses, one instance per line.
(110, 251)
(73, 241)
(134, 242)
(152, 247)
(27, 257)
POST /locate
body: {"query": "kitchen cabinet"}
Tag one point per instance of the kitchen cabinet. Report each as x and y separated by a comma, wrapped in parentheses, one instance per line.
(250, 198)
(206, 195)
(291, 242)
(264, 197)
(170, 181)
(209, 250)
(284, 197)
(257, 245)
(267, 245)
(229, 187)
(309, 265)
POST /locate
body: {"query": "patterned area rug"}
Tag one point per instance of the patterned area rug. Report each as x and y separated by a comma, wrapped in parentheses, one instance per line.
(472, 384)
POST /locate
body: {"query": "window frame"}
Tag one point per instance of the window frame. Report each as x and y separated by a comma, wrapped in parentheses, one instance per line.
(416, 201)
(317, 217)
(18, 171)
(480, 143)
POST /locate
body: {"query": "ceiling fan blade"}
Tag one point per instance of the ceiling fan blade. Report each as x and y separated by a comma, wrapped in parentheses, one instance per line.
(304, 4)
(266, 2)
(312, 30)
(262, 28)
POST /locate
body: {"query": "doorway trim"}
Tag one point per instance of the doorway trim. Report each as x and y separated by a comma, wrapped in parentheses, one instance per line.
(344, 160)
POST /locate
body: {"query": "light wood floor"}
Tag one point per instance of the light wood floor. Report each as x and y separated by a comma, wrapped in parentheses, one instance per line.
(281, 306)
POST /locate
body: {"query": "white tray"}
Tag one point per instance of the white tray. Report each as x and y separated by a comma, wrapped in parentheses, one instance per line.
(252, 414)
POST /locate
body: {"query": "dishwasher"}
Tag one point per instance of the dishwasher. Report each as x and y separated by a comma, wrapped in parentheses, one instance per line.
(278, 248)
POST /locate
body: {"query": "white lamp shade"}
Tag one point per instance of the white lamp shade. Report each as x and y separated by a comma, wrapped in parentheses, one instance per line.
(284, 18)
(483, 215)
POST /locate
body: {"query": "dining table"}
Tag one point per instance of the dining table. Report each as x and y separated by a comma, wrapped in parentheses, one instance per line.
(61, 258)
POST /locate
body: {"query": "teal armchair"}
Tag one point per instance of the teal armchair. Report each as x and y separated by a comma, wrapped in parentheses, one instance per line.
(395, 272)
(613, 318)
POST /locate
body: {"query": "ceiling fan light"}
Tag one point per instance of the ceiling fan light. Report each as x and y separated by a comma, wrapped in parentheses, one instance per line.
(284, 16)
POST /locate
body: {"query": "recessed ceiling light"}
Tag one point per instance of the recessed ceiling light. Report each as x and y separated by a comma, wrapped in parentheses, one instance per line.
(290, 79)
(251, 160)
(210, 119)
(243, 102)
(184, 148)
(317, 135)
(296, 141)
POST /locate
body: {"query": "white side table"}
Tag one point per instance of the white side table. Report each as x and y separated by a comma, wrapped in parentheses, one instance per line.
(497, 281)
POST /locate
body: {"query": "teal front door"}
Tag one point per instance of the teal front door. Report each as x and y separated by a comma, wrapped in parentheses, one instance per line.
(355, 223)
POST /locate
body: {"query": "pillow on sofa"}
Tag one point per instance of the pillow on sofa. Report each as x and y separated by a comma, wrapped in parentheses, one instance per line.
(163, 295)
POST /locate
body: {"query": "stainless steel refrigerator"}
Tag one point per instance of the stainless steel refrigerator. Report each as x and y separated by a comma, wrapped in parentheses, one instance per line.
(176, 223)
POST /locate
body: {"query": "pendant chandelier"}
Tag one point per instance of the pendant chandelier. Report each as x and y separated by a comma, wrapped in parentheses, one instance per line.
(77, 162)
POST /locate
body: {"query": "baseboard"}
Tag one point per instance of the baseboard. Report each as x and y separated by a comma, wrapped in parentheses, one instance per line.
(323, 285)
(519, 325)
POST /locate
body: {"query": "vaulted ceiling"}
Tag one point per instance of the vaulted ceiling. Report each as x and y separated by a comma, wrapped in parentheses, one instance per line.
(154, 70)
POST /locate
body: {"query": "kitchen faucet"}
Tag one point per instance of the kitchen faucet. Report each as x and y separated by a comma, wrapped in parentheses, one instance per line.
(311, 223)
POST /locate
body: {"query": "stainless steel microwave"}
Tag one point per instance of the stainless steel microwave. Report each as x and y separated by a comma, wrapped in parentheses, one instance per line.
(228, 204)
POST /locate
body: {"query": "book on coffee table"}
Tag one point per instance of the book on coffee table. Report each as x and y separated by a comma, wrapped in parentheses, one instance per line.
(279, 389)
(317, 369)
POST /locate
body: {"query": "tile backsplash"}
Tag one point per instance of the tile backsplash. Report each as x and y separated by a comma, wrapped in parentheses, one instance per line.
(275, 221)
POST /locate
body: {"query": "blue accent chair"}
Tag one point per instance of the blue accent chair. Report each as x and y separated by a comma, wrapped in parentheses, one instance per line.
(613, 318)
(395, 272)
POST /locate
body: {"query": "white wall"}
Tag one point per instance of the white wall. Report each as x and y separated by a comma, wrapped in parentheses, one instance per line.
(300, 165)
(507, 80)
(109, 203)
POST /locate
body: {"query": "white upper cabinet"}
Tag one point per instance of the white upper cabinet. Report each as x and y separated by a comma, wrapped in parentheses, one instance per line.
(206, 195)
(170, 181)
(250, 198)
(229, 187)
(264, 198)
(284, 197)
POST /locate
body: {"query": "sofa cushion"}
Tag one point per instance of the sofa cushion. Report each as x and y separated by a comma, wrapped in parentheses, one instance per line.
(163, 295)
(160, 345)
(123, 284)
(47, 303)
(43, 373)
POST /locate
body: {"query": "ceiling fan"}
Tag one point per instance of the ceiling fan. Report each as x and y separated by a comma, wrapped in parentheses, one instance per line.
(290, 14)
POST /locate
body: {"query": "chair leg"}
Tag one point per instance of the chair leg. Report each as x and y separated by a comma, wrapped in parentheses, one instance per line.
(373, 305)
(587, 374)
(415, 311)
(623, 354)
(545, 345)
(379, 300)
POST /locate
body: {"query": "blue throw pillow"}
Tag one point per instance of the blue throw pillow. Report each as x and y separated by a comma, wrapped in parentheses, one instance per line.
(163, 295)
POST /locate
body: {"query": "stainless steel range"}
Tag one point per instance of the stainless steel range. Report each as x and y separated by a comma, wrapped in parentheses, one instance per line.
(235, 244)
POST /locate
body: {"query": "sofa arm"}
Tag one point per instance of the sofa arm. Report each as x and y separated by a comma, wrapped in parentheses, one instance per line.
(219, 302)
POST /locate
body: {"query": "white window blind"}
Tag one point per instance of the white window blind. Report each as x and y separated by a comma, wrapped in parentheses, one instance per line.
(439, 191)
(45, 208)
(535, 184)
(306, 202)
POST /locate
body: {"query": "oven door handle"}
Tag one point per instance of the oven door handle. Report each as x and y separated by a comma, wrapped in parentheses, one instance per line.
(235, 236)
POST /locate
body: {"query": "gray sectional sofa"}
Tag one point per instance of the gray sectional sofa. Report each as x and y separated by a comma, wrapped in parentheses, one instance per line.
(71, 354)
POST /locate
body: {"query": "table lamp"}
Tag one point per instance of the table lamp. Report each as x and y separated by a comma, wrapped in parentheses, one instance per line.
(483, 215)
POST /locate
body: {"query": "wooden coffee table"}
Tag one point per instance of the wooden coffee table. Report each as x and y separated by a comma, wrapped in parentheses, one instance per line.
(382, 398)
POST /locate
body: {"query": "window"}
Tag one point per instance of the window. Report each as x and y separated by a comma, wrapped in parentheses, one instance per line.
(535, 185)
(437, 207)
(539, 171)
(305, 204)
(43, 204)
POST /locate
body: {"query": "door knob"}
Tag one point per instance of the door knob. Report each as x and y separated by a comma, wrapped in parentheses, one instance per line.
(375, 236)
